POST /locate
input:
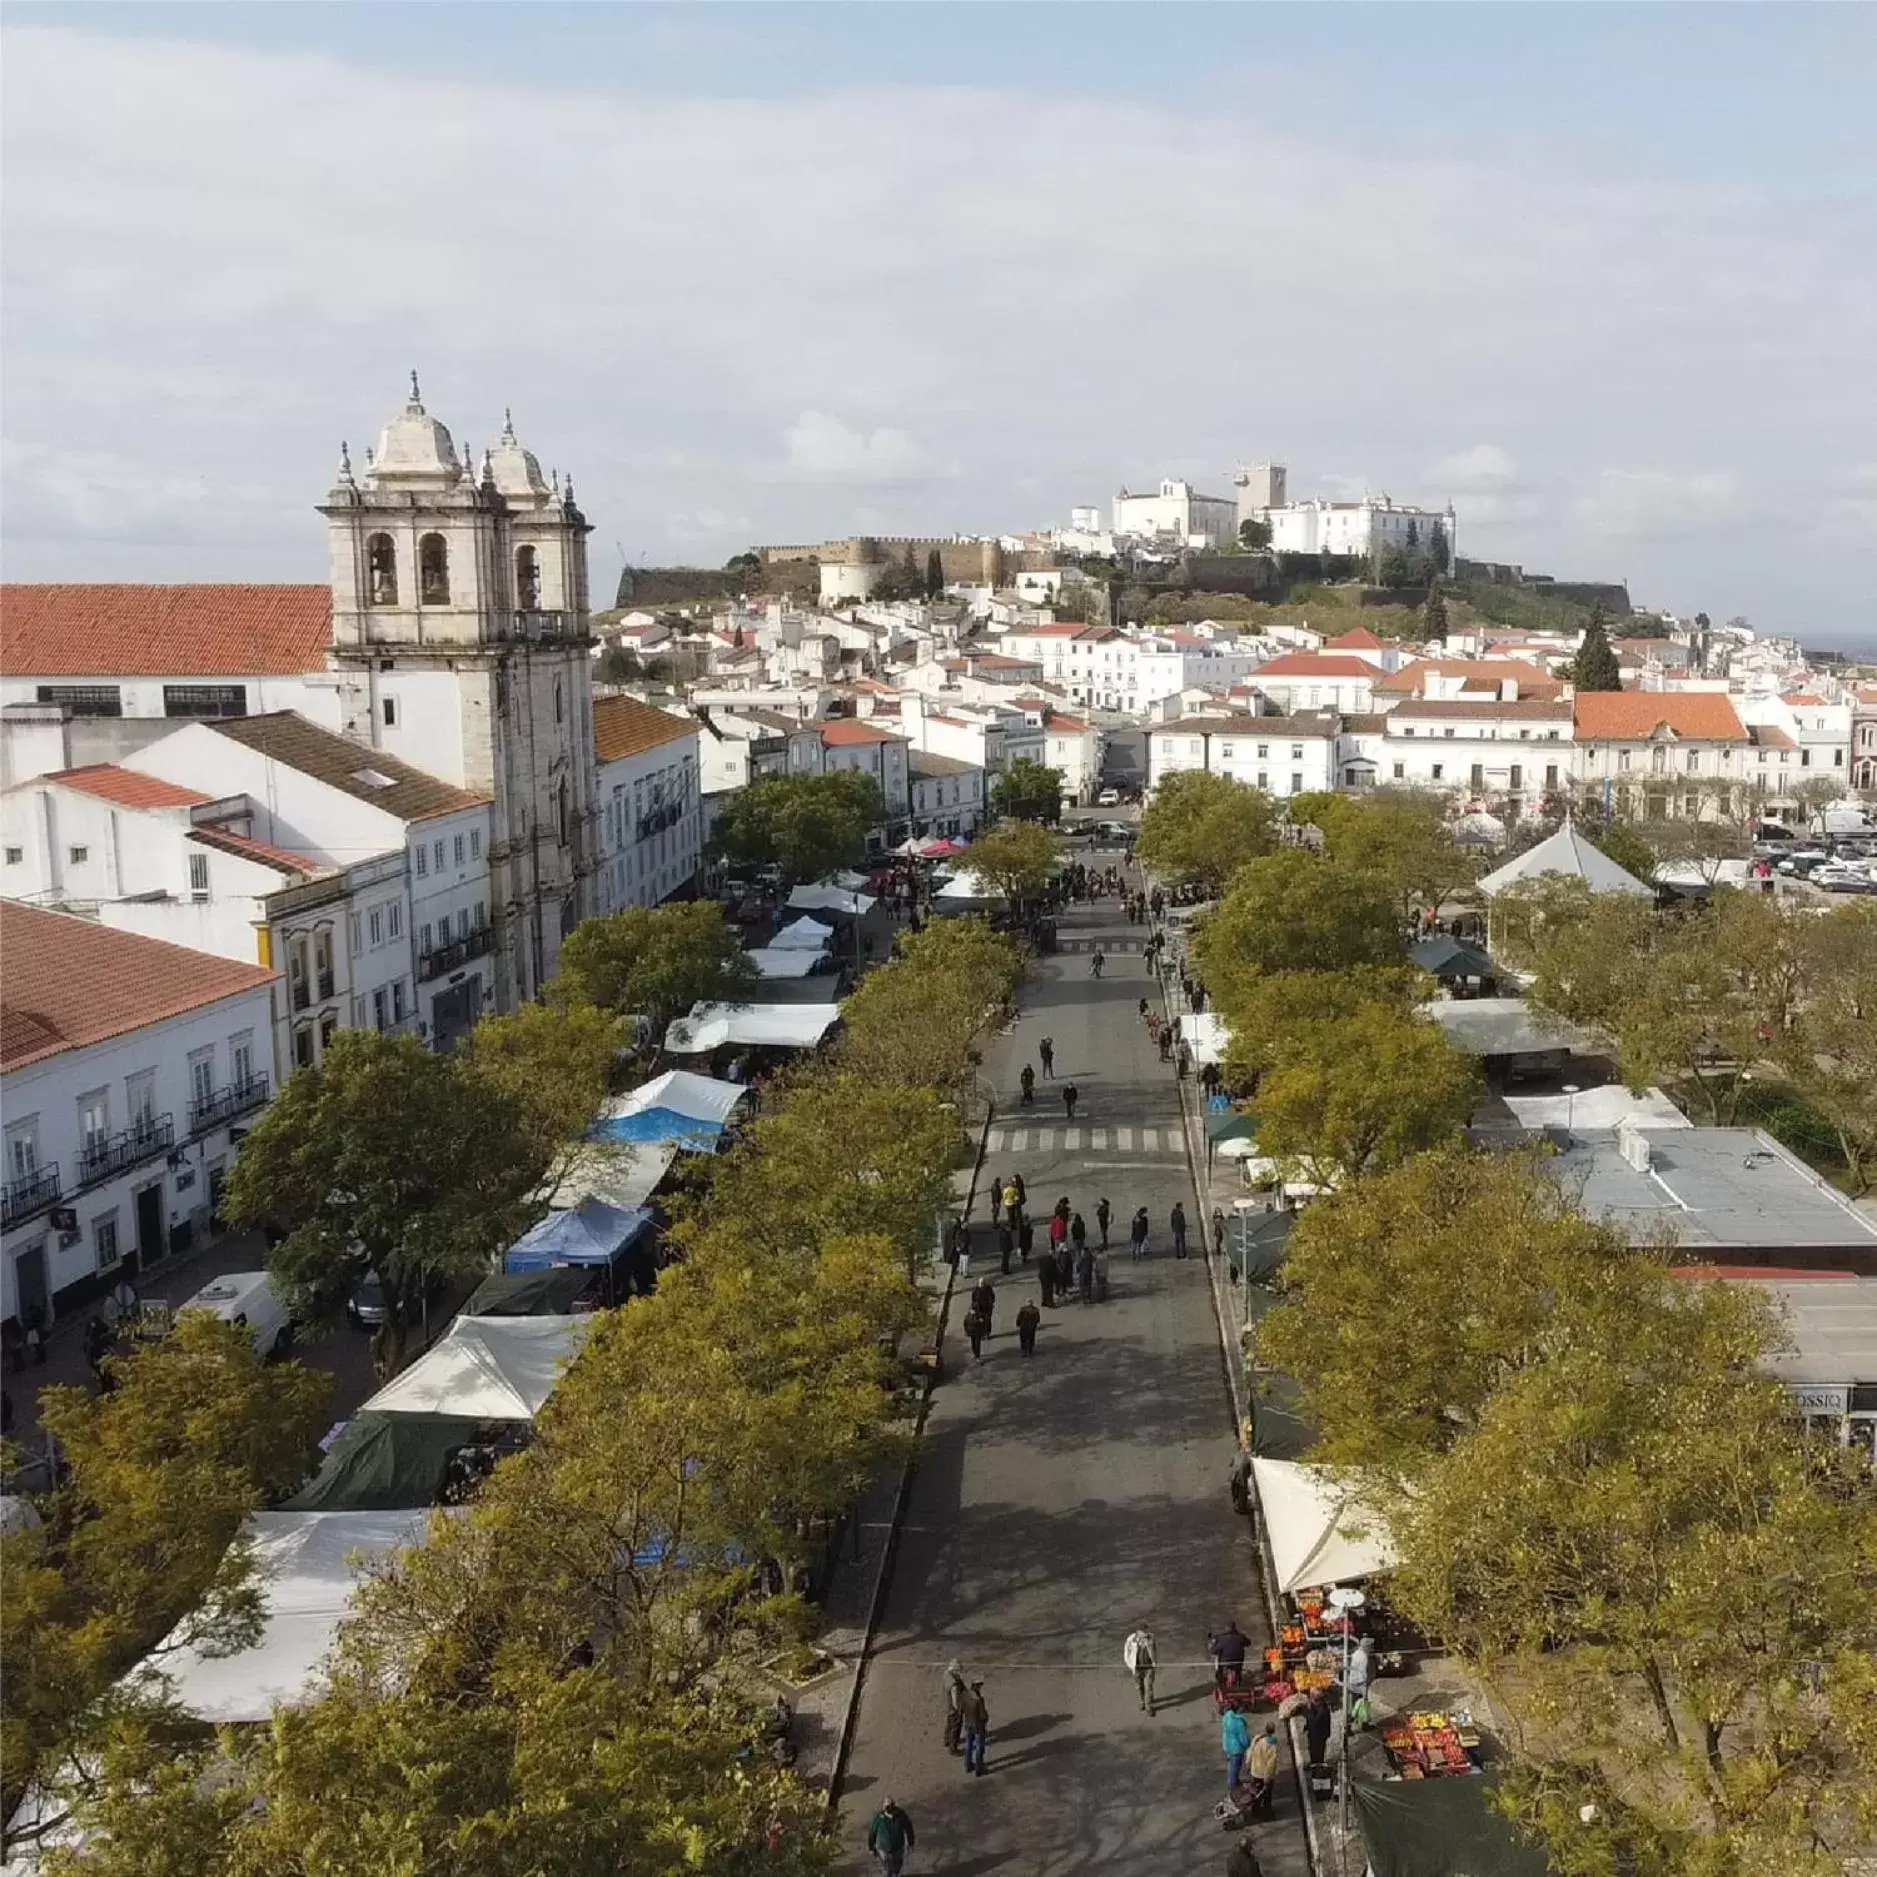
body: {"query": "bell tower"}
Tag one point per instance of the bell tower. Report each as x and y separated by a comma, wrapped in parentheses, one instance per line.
(460, 630)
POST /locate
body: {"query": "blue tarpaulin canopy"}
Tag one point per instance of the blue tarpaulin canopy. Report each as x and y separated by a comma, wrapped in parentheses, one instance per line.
(590, 1233)
(675, 1106)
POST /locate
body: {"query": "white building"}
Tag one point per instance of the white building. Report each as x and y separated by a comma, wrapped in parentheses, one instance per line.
(947, 796)
(1104, 668)
(1176, 512)
(1284, 756)
(1370, 526)
(1508, 757)
(1658, 753)
(858, 743)
(1318, 681)
(128, 1069)
(1074, 746)
(651, 810)
(987, 736)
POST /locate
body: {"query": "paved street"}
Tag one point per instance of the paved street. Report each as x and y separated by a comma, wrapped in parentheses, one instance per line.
(1062, 1499)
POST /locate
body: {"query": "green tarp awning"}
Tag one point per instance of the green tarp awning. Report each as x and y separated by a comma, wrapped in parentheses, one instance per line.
(1441, 1828)
(385, 1463)
(1231, 1125)
(1279, 1429)
(549, 1293)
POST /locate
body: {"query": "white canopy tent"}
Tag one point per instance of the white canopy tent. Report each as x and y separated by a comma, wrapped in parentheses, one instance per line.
(308, 1566)
(1318, 1533)
(776, 1026)
(684, 1092)
(486, 1369)
(965, 884)
(623, 1173)
(1205, 1033)
(803, 934)
(831, 899)
(782, 961)
(1565, 853)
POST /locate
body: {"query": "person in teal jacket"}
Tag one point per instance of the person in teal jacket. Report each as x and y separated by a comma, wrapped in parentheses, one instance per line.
(1235, 1738)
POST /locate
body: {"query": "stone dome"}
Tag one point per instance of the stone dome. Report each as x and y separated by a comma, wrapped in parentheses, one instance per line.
(517, 472)
(414, 447)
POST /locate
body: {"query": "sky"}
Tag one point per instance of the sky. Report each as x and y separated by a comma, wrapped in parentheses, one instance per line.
(1603, 276)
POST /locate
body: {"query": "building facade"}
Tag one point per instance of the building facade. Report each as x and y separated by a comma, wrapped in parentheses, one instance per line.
(947, 796)
(651, 803)
(1660, 753)
(1284, 756)
(1176, 512)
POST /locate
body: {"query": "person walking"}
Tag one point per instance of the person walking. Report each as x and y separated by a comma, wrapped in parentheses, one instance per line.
(1103, 1213)
(985, 1298)
(1316, 1727)
(1028, 1318)
(1026, 1081)
(1013, 1198)
(1095, 965)
(1137, 1236)
(97, 1345)
(1235, 1741)
(1006, 1244)
(977, 1720)
(975, 1329)
(889, 1838)
(1356, 1682)
(1143, 1010)
(1046, 1282)
(1218, 1231)
(1070, 1096)
(955, 1687)
(1176, 1223)
(997, 1201)
(1078, 1232)
(1085, 1273)
(1046, 1054)
(1058, 1231)
(1138, 1653)
(1261, 1769)
(1026, 1240)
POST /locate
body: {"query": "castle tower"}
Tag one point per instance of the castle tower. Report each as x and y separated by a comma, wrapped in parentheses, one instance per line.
(460, 635)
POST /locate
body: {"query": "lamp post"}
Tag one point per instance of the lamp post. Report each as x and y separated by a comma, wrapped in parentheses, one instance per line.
(1570, 1109)
(1346, 1601)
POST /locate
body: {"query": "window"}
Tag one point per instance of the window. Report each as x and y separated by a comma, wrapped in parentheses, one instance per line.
(84, 700)
(527, 579)
(560, 709)
(1296, 752)
(391, 710)
(241, 1059)
(380, 1008)
(436, 854)
(427, 939)
(433, 571)
(303, 1047)
(381, 571)
(482, 914)
(375, 923)
(1805, 759)
(140, 1095)
(23, 1149)
(1551, 775)
(1264, 750)
(462, 923)
(1477, 779)
(94, 1120)
(1401, 770)
(459, 850)
(475, 843)
(560, 812)
(1225, 750)
(299, 993)
(1264, 779)
(394, 919)
(1518, 775)
(1622, 759)
(420, 860)
(328, 1027)
(198, 876)
(397, 1000)
(79, 855)
(358, 941)
(205, 700)
(15, 855)
(1440, 769)
(202, 1077)
(104, 1239)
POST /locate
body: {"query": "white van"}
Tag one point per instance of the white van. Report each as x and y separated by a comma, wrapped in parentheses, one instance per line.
(248, 1297)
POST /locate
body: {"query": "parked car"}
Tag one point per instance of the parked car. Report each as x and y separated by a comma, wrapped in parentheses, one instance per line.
(1108, 798)
(249, 1298)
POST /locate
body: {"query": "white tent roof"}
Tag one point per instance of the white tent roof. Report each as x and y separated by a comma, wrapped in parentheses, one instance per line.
(1598, 1109)
(1567, 853)
(1307, 1516)
(487, 1369)
(965, 884)
(308, 1566)
(623, 1173)
(1205, 1032)
(782, 961)
(831, 899)
(781, 1026)
(683, 1091)
(803, 934)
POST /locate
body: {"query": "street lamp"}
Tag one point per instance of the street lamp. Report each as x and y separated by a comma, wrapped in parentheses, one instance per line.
(1570, 1108)
(1347, 1601)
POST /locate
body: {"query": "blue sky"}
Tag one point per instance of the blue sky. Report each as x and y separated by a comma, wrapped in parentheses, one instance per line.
(1604, 275)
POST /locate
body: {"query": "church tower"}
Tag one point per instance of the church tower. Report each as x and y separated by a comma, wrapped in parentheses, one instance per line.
(460, 633)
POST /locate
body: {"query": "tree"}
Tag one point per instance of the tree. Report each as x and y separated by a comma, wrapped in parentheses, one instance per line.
(1832, 1048)
(1699, 842)
(1362, 1093)
(1028, 791)
(809, 826)
(384, 1158)
(1268, 1011)
(1623, 842)
(1434, 614)
(1594, 668)
(140, 1538)
(934, 574)
(1254, 535)
(1292, 911)
(1202, 828)
(654, 962)
(1399, 837)
(1015, 857)
(553, 1061)
(617, 666)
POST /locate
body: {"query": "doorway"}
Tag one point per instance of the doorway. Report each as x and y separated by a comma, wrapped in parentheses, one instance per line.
(32, 1299)
(453, 1013)
(151, 1242)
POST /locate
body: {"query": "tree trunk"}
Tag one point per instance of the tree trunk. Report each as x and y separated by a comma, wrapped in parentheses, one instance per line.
(1658, 1693)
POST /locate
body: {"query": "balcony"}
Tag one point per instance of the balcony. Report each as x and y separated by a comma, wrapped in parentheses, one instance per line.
(110, 1154)
(31, 1192)
(226, 1104)
(300, 994)
(455, 955)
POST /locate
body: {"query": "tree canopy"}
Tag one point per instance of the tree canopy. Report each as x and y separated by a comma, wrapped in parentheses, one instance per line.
(809, 826)
(554, 1062)
(1028, 791)
(1594, 667)
(1201, 827)
(1398, 837)
(1017, 858)
(654, 962)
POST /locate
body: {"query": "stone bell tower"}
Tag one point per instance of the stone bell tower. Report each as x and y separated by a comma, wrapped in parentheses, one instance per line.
(460, 628)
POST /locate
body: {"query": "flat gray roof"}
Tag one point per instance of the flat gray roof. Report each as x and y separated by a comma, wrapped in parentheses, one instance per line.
(1504, 1026)
(1713, 1189)
(1833, 1325)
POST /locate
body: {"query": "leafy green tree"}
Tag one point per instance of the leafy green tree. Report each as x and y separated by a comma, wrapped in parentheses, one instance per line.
(1202, 828)
(1293, 911)
(1269, 1010)
(1623, 842)
(385, 1157)
(1028, 791)
(554, 1061)
(1400, 838)
(1595, 668)
(195, 1435)
(809, 826)
(1831, 1049)
(654, 962)
(1017, 858)
(934, 574)
(1362, 1093)
(1254, 535)
(1701, 842)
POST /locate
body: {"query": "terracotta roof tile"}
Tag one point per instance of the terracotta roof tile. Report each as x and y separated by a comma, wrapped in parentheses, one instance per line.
(1637, 714)
(1314, 665)
(245, 847)
(1356, 638)
(104, 631)
(847, 732)
(622, 726)
(368, 775)
(71, 983)
(126, 787)
(1531, 681)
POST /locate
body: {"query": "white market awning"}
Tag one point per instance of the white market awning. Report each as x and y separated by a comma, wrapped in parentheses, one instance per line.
(803, 934)
(681, 1092)
(1318, 1533)
(774, 1026)
(623, 1173)
(1568, 854)
(1205, 1033)
(783, 961)
(486, 1369)
(831, 899)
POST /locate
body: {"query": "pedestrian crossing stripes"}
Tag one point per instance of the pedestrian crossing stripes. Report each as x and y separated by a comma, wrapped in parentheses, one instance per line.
(1068, 1140)
(1109, 945)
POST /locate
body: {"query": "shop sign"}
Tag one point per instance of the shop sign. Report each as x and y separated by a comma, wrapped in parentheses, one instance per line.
(1816, 1399)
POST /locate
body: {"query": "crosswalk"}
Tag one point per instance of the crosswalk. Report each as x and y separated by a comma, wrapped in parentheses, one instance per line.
(1069, 1140)
(1108, 944)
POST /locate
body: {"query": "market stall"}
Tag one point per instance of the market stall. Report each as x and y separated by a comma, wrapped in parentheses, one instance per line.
(804, 934)
(1442, 1828)
(1319, 1530)
(486, 1369)
(551, 1293)
(763, 1026)
(389, 1462)
(676, 1106)
(843, 901)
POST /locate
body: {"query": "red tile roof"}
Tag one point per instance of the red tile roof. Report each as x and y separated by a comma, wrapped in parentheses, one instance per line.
(109, 631)
(71, 983)
(1314, 665)
(1069, 726)
(245, 847)
(1801, 697)
(1637, 714)
(1357, 637)
(847, 732)
(622, 726)
(126, 787)
(1494, 671)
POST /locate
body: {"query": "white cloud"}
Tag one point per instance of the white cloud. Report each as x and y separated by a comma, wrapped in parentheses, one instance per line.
(822, 448)
(217, 263)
